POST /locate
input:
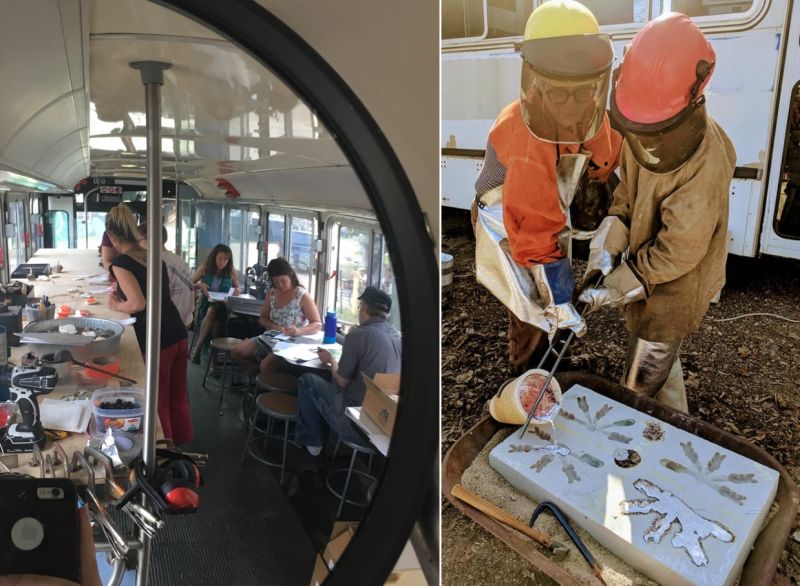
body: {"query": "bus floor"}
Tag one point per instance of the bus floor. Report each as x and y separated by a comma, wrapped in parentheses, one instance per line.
(248, 529)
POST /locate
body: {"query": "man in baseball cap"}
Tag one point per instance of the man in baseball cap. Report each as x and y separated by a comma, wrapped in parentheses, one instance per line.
(377, 298)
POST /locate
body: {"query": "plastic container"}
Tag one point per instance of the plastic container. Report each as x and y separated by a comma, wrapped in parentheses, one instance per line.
(122, 419)
(330, 328)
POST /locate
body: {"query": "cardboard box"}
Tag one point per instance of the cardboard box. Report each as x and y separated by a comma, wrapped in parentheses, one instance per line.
(380, 399)
(320, 572)
(341, 535)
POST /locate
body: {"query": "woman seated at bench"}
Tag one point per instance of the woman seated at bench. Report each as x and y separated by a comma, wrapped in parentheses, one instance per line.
(216, 274)
(288, 307)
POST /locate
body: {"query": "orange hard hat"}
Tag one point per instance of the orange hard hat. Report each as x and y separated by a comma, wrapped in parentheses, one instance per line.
(664, 70)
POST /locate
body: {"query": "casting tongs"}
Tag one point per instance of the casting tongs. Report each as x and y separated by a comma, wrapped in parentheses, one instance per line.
(559, 355)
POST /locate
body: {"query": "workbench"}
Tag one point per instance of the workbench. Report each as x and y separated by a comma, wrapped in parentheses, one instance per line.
(76, 264)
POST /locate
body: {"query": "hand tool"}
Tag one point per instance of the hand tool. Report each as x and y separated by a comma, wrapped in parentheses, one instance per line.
(60, 458)
(558, 549)
(547, 505)
(559, 355)
(64, 355)
(48, 466)
(147, 521)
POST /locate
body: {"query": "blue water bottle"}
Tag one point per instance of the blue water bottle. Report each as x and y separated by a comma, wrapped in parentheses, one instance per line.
(330, 328)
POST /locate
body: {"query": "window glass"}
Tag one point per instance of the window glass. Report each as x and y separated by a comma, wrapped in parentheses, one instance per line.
(59, 224)
(252, 237)
(507, 18)
(169, 215)
(188, 237)
(353, 271)
(91, 226)
(301, 251)
(208, 225)
(235, 241)
(787, 211)
(702, 7)
(462, 19)
(276, 236)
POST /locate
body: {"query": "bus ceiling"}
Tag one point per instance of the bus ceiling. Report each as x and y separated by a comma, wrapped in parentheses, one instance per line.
(230, 128)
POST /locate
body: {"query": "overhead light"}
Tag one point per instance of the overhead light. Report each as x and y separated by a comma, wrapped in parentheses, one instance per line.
(15, 179)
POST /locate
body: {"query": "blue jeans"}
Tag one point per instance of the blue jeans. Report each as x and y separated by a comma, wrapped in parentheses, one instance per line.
(321, 407)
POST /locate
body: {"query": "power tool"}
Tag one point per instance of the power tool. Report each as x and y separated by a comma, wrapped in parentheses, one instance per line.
(23, 384)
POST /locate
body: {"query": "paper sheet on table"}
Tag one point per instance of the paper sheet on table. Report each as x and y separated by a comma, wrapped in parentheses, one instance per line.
(217, 296)
(125, 322)
(98, 279)
(334, 349)
(314, 338)
(98, 291)
(72, 416)
(295, 352)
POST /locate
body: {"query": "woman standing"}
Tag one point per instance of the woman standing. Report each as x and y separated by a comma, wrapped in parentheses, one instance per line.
(218, 275)
(130, 272)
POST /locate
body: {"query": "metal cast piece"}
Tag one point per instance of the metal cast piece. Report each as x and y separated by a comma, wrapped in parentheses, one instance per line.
(647, 364)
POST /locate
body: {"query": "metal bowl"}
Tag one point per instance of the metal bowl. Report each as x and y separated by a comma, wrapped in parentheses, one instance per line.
(95, 348)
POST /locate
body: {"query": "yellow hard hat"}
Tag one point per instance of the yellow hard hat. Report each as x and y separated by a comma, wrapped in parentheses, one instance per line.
(560, 18)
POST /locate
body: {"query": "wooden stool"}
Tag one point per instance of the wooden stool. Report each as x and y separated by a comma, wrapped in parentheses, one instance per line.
(357, 448)
(222, 347)
(275, 382)
(276, 406)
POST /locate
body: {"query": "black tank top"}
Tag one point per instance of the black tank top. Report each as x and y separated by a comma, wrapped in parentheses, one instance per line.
(172, 328)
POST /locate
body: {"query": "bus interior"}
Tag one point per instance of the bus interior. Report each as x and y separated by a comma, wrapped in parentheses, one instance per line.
(249, 161)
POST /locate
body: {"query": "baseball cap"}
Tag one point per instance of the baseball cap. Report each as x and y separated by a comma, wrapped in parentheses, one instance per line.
(376, 297)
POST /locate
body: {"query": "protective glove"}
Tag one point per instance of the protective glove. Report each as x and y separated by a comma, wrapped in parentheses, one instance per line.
(610, 239)
(555, 284)
(621, 287)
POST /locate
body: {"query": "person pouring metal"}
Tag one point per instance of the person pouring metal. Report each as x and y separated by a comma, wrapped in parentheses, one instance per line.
(539, 149)
(669, 216)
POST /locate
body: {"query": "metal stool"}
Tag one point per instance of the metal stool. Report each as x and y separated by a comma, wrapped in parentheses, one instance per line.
(222, 347)
(357, 448)
(276, 382)
(276, 406)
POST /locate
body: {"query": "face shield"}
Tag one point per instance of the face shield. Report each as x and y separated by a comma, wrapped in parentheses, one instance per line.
(666, 146)
(564, 86)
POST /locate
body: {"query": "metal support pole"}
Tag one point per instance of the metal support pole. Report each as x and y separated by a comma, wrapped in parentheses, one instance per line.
(152, 73)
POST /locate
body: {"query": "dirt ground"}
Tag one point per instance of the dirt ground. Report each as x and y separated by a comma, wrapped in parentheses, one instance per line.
(743, 375)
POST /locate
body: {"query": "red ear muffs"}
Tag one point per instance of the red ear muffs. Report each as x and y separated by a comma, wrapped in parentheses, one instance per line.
(184, 470)
(180, 494)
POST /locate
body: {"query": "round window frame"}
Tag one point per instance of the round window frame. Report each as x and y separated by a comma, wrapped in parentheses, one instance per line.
(398, 500)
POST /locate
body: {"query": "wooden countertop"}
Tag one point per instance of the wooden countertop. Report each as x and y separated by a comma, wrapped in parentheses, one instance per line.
(78, 263)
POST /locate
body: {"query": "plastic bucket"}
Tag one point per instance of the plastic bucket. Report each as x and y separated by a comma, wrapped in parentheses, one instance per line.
(121, 409)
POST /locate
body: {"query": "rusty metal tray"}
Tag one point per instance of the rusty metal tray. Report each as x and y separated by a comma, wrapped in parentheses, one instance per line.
(760, 566)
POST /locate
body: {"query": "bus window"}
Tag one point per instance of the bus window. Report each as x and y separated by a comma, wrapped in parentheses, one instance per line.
(93, 228)
(701, 7)
(209, 228)
(353, 272)
(462, 19)
(382, 276)
(276, 236)
(301, 250)
(787, 211)
(235, 238)
(169, 217)
(59, 221)
(624, 12)
(188, 239)
(252, 236)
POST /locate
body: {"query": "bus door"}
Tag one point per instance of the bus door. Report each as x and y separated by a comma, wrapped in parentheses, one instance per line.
(17, 230)
(60, 222)
(781, 224)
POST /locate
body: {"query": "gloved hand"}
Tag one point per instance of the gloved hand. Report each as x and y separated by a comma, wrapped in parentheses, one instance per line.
(555, 284)
(610, 239)
(621, 287)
